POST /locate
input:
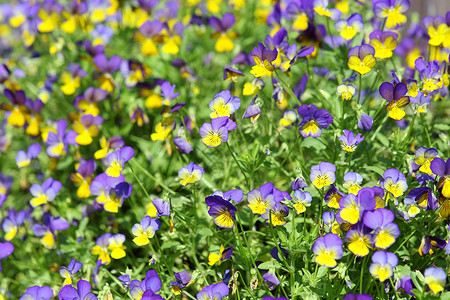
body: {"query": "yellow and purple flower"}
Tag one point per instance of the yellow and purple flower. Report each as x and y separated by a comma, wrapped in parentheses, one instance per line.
(346, 90)
(44, 193)
(396, 96)
(352, 181)
(116, 160)
(352, 208)
(385, 231)
(145, 230)
(24, 159)
(224, 104)
(429, 245)
(263, 58)
(391, 10)
(384, 42)
(262, 199)
(215, 133)
(361, 59)
(327, 250)
(323, 174)
(348, 28)
(442, 168)
(224, 254)
(424, 157)
(276, 215)
(383, 264)
(350, 141)
(359, 239)
(68, 272)
(333, 197)
(83, 177)
(190, 174)
(83, 291)
(184, 279)
(301, 201)
(47, 231)
(314, 120)
(435, 278)
(420, 102)
(223, 32)
(215, 291)
(12, 222)
(394, 182)
(222, 211)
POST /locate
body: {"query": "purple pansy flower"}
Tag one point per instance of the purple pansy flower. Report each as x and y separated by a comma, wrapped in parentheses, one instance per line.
(222, 211)
(213, 291)
(383, 264)
(224, 104)
(442, 168)
(6, 249)
(37, 293)
(215, 133)
(350, 141)
(82, 292)
(385, 231)
(23, 158)
(314, 120)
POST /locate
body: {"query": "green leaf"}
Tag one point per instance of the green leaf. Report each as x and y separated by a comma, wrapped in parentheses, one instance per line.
(383, 139)
(169, 245)
(376, 169)
(271, 264)
(205, 231)
(313, 143)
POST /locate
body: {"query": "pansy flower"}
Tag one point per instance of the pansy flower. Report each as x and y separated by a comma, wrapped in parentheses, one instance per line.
(420, 102)
(221, 210)
(231, 195)
(424, 157)
(352, 181)
(83, 292)
(24, 159)
(262, 199)
(184, 279)
(405, 284)
(346, 90)
(396, 96)
(314, 120)
(215, 133)
(361, 59)
(215, 291)
(47, 231)
(253, 87)
(223, 32)
(224, 254)
(327, 250)
(57, 141)
(68, 272)
(276, 215)
(301, 200)
(297, 12)
(84, 129)
(147, 288)
(348, 28)
(423, 197)
(333, 197)
(6, 249)
(323, 174)
(385, 231)
(44, 193)
(148, 36)
(384, 42)
(190, 174)
(12, 222)
(391, 10)
(88, 102)
(158, 208)
(365, 122)
(224, 104)
(231, 74)
(288, 119)
(145, 230)
(172, 34)
(441, 168)
(115, 245)
(108, 144)
(350, 141)
(383, 264)
(253, 111)
(116, 160)
(430, 75)
(271, 280)
(394, 182)
(5, 187)
(101, 185)
(435, 278)
(359, 239)
(37, 293)
(438, 31)
(263, 58)
(429, 245)
(83, 177)
(17, 110)
(115, 195)
(353, 207)
(321, 8)
(101, 248)
(71, 80)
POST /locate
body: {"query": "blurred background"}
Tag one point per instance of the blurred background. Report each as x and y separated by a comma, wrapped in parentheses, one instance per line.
(430, 7)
